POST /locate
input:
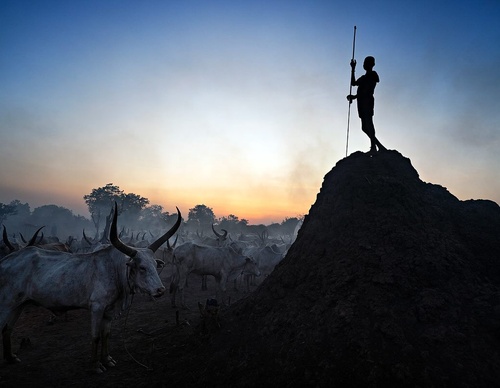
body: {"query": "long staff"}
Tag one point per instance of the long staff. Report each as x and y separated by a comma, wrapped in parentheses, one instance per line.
(350, 92)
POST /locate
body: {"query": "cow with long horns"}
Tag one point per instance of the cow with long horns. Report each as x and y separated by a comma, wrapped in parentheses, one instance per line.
(224, 263)
(51, 246)
(101, 282)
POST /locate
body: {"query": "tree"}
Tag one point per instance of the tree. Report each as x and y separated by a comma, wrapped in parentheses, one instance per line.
(228, 222)
(201, 217)
(233, 224)
(131, 208)
(100, 202)
(274, 229)
(288, 225)
(153, 218)
(59, 221)
(17, 221)
(22, 209)
(6, 211)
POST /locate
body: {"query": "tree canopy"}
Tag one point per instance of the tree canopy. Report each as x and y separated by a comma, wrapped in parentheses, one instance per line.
(6, 211)
(201, 217)
(136, 215)
(100, 202)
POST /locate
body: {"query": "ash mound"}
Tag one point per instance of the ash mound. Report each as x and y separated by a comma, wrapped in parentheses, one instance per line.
(391, 282)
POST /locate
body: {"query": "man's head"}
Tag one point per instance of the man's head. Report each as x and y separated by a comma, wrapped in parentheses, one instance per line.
(369, 63)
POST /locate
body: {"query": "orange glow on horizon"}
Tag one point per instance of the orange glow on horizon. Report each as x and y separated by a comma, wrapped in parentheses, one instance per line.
(255, 211)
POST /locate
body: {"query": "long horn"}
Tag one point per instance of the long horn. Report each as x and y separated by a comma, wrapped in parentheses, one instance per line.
(170, 247)
(158, 243)
(33, 239)
(113, 237)
(217, 234)
(86, 238)
(6, 240)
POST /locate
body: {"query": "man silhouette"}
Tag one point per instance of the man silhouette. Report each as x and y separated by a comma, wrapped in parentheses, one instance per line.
(366, 87)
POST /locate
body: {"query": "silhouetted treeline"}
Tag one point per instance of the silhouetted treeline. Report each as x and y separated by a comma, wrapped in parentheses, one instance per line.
(60, 222)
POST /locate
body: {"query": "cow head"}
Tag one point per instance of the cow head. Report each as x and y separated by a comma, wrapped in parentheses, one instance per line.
(166, 254)
(221, 238)
(143, 276)
(142, 264)
(250, 267)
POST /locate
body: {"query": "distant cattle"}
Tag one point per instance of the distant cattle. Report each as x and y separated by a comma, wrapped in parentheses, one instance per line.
(224, 263)
(51, 246)
(266, 258)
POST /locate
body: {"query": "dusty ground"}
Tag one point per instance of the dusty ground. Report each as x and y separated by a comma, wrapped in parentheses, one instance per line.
(147, 343)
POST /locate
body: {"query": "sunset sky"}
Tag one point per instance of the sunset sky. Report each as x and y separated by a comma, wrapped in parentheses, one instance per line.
(240, 105)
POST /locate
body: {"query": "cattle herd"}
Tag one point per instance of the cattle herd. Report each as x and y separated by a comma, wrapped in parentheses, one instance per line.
(102, 276)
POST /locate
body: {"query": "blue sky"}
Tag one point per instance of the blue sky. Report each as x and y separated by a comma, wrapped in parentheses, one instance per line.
(240, 105)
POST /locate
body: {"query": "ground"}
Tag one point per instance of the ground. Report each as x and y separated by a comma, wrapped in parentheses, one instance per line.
(148, 343)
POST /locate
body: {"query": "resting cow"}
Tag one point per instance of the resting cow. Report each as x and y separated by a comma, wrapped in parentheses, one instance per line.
(101, 282)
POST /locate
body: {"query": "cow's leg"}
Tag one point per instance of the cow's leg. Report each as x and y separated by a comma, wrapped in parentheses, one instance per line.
(173, 292)
(248, 282)
(183, 275)
(174, 286)
(96, 318)
(95, 365)
(203, 282)
(177, 286)
(179, 281)
(182, 297)
(106, 359)
(7, 328)
(221, 287)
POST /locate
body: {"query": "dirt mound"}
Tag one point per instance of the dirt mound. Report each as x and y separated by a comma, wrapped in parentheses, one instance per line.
(391, 282)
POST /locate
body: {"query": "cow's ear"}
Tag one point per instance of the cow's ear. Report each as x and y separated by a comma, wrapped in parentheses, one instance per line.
(159, 263)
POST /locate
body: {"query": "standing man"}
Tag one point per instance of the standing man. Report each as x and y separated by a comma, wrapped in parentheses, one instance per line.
(366, 87)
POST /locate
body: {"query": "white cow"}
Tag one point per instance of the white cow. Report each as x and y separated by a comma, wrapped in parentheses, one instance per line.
(101, 282)
(224, 263)
(266, 258)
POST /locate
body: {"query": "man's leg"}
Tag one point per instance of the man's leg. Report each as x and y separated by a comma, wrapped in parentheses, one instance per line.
(368, 128)
(379, 145)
